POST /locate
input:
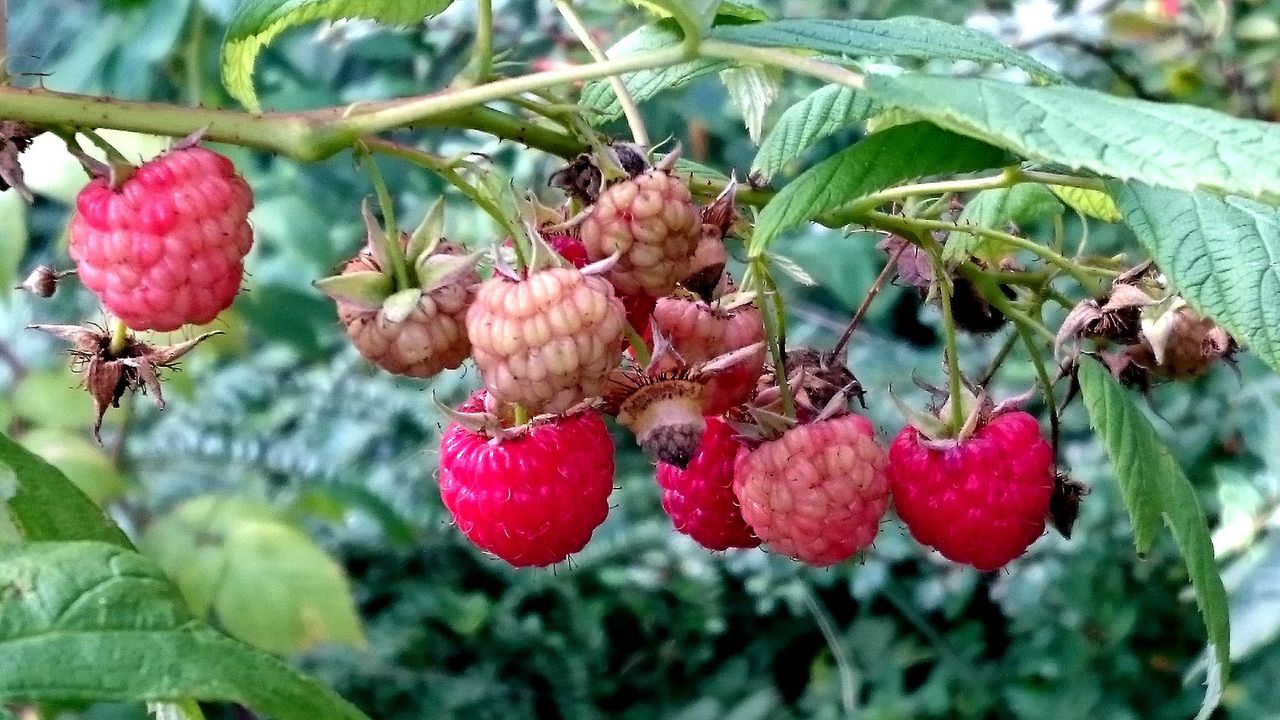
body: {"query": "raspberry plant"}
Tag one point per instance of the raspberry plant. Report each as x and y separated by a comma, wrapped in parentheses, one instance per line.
(948, 169)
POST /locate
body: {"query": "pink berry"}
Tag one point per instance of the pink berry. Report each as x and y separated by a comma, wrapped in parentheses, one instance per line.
(700, 498)
(166, 248)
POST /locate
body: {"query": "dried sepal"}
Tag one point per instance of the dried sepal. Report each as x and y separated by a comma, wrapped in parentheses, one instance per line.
(1064, 504)
(43, 281)
(107, 376)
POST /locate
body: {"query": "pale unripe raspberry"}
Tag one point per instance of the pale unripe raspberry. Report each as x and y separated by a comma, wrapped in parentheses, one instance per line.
(652, 221)
(699, 332)
(432, 338)
(548, 341)
(817, 493)
(166, 248)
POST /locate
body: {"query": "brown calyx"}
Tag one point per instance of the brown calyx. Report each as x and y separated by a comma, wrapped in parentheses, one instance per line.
(666, 417)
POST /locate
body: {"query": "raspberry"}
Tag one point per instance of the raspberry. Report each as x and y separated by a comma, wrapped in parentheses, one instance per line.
(166, 247)
(817, 493)
(570, 248)
(548, 341)
(652, 221)
(700, 498)
(981, 501)
(700, 331)
(534, 498)
(430, 338)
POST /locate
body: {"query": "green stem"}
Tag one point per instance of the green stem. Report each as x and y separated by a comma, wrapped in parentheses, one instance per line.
(949, 342)
(628, 103)
(638, 347)
(1086, 275)
(193, 56)
(784, 59)
(119, 338)
(993, 295)
(106, 147)
(391, 233)
(1042, 378)
(482, 50)
(769, 303)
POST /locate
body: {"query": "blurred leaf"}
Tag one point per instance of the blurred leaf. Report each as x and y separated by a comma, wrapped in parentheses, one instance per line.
(1090, 203)
(1153, 486)
(83, 462)
(267, 583)
(257, 22)
(43, 505)
(901, 153)
(914, 37)
(822, 113)
(598, 97)
(996, 209)
(1113, 136)
(752, 90)
(1218, 252)
(344, 497)
(90, 621)
(1255, 600)
(13, 239)
(283, 313)
(53, 399)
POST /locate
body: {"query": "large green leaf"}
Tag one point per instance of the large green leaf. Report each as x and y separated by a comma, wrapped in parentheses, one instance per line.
(1153, 485)
(901, 153)
(267, 582)
(1174, 146)
(822, 113)
(1220, 253)
(996, 209)
(89, 621)
(598, 97)
(44, 505)
(752, 90)
(914, 37)
(257, 22)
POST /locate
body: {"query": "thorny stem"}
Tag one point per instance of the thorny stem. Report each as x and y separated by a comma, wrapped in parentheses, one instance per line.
(391, 233)
(104, 146)
(890, 267)
(950, 349)
(628, 103)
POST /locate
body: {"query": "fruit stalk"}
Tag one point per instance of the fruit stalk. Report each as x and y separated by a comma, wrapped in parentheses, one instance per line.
(950, 349)
(391, 234)
(635, 120)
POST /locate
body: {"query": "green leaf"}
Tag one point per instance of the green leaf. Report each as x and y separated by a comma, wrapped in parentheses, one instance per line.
(598, 97)
(1090, 203)
(906, 36)
(899, 154)
(752, 90)
(257, 22)
(88, 621)
(84, 462)
(821, 114)
(1218, 252)
(996, 209)
(13, 240)
(44, 505)
(1153, 484)
(268, 583)
(1174, 146)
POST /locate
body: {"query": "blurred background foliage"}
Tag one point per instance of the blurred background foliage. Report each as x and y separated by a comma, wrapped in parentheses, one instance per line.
(288, 487)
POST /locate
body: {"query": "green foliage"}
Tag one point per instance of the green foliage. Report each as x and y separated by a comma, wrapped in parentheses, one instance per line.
(258, 22)
(1153, 487)
(997, 209)
(13, 239)
(92, 621)
(909, 37)
(1085, 129)
(822, 113)
(1219, 253)
(43, 505)
(1094, 204)
(266, 582)
(876, 162)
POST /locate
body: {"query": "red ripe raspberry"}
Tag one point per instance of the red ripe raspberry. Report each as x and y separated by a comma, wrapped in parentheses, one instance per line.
(653, 223)
(700, 498)
(700, 331)
(817, 493)
(532, 499)
(548, 341)
(166, 248)
(639, 312)
(983, 501)
(570, 248)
